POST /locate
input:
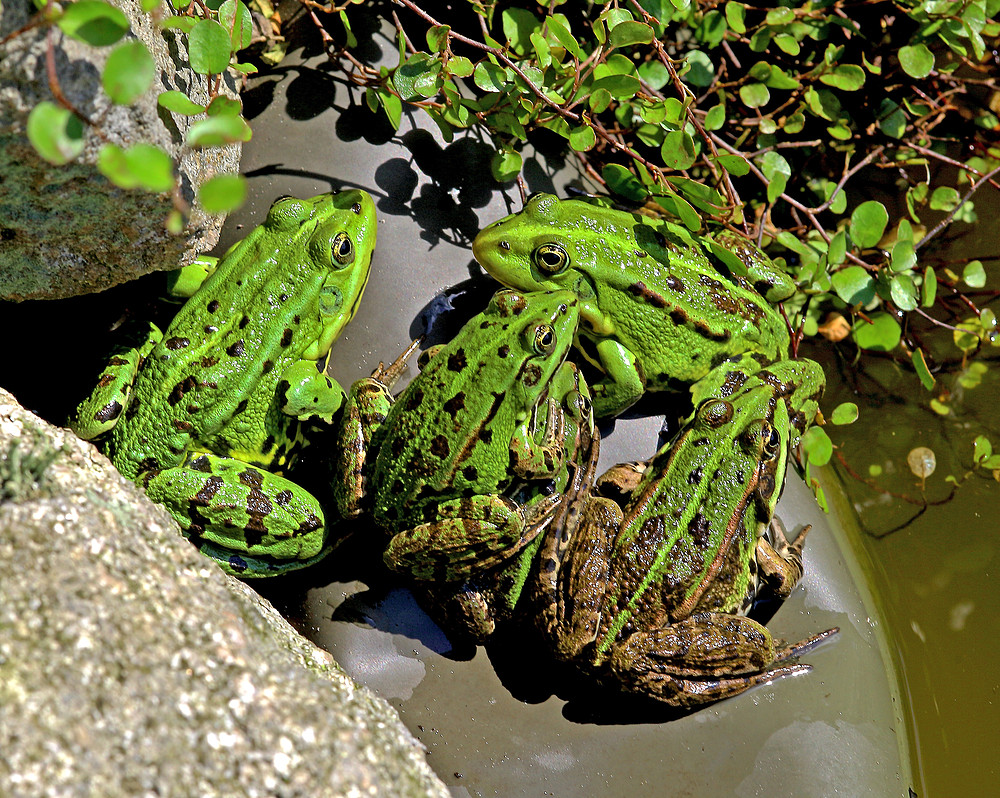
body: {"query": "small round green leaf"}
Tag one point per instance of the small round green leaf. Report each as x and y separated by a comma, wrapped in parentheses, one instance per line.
(846, 77)
(235, 17)
(917, 60)
(882, 335)
(489, 77)
(179, 103)
(93, 22)
(654, 73)
(55, 133)
(678, 150)
(754, 95)
(222, 105)
(974, 275)
(623, 183)
(582, 138)
(817, 446)
(903, 291)
(868, 223)
(854, 285)
(845, 413)
(619, 86)
(222, 193)
(506, 165)
(626, 34)
(701, 71)
(217, 131)
(945, 198)
(209, 47)
(128, 73)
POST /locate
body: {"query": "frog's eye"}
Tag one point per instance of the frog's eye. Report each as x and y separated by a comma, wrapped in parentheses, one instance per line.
(342, 249)
(551, 258)
(545, 339)
(772, 440)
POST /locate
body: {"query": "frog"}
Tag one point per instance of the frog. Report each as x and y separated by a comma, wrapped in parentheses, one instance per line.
(648, 585)
(209, 414)
(473, 609)
(437, 467)
(659, 307)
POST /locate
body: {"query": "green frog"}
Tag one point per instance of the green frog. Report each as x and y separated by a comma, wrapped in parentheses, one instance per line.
(438, 466)
(657, 306)
(648, 584)
(473, 608)
(207, 415)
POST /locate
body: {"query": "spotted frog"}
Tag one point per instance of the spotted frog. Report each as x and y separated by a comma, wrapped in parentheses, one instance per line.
(647, 580)
(658, 306)
(207, 415)
(442, 467)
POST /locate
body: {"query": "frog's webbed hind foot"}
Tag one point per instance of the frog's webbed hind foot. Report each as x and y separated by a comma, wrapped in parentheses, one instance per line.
(704, 658)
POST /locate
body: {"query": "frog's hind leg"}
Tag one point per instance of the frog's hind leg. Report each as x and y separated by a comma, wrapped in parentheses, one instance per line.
(468, 535)
(704, 658)
(252, 522)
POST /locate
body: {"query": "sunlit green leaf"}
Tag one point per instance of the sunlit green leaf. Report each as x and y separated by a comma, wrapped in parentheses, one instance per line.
(93, 22)
(882, 335)
(817, 446)
(582, 138)
(917, 60)
(179, 103)
(235, 17)
(868, 223)
(518, 25)
(854, 285)
(55, 133)
(622, 182)
(626, 34)
(903, 291)
(506, 165)
(128, 73)
(844, 413)
(222, 193)
(209, 47)
(944, 198)
(974, 275)
(217, 131)
(678, 151)
(847, 77)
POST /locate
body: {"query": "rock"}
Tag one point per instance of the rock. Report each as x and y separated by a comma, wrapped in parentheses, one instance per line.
(130, 665)
(66, 230)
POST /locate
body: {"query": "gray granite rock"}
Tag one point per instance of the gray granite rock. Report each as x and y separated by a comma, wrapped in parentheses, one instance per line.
(66, 230)
(130, 665)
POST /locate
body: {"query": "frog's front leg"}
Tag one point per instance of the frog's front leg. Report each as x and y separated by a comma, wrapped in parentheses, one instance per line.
(365, 409)
(530, 459)
(780, 564)
(183, 283)
(309, 394)
(624, 381)
(252, 522)
(99, 412)
(704, 658)
(468, 535)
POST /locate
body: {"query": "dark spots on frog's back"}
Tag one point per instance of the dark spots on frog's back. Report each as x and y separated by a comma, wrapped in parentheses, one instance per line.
(454, 405)
(237, 349)
(471, 473)
(721, 335)
(176, 343)
(244, 321)
(457, 361)
(268, 365)
(286, 336)
(694, 477)
(503, 351)
(640, 290)
(413, 399)
(241, 406)
(440, 447)
(212, 306)
(700, 532)
(181, 388)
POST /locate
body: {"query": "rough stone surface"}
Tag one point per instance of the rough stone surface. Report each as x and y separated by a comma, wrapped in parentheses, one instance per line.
(66, 230)
(131, 666)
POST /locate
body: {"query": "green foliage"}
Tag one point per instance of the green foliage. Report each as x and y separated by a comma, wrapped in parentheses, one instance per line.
(58, 131)
(735, 115)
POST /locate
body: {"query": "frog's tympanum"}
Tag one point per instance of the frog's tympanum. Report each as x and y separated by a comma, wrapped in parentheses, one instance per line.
(207, 415)
(443, 468)
(648, 585)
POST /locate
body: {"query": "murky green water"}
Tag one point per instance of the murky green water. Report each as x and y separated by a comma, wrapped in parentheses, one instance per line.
(935, 568)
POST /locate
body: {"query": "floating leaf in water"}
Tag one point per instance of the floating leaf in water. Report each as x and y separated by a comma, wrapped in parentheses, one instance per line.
(921, 461)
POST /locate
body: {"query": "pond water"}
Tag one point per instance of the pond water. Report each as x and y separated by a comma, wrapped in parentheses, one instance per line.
(934, 567)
